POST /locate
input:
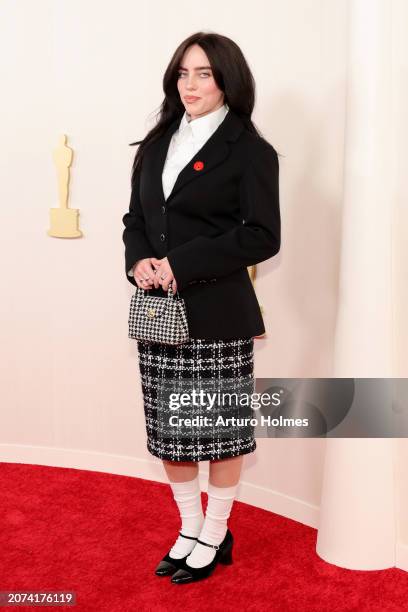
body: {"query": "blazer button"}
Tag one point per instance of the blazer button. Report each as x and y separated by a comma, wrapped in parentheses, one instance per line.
(163, 210)
(162, 237)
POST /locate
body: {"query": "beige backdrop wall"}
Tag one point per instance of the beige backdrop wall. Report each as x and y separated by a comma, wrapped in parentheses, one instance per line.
(70, 385)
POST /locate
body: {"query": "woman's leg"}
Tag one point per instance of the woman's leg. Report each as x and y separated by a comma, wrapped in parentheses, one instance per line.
(223, 472)
(226, 472)
(183, 480)
(222, 488)
(180, 471)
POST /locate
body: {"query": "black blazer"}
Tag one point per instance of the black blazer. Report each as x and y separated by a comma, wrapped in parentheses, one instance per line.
(221, 216)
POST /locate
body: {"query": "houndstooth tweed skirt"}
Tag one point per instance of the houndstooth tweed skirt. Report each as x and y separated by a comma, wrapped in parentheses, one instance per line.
(197, 362)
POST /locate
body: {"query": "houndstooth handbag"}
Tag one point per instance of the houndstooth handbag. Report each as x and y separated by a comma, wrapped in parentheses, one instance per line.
(158, 319)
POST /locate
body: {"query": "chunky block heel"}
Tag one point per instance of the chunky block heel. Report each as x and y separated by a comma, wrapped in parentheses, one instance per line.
(226, 556)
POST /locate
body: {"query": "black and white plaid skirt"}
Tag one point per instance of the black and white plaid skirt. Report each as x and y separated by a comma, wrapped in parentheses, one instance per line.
(198, 362)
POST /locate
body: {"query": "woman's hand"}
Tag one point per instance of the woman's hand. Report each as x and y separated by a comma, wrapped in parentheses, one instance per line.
(162, 268)
(144, 273)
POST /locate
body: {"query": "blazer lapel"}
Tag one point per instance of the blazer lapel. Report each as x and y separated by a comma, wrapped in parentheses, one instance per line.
(212, 153)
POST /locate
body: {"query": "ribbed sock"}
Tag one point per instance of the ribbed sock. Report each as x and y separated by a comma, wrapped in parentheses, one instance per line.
(220, 500)
(187, 496)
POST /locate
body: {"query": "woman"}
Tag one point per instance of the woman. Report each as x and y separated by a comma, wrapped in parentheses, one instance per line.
(204, 206)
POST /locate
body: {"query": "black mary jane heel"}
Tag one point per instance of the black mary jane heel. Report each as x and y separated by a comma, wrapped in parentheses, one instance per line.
(168, 565)
(191, 574)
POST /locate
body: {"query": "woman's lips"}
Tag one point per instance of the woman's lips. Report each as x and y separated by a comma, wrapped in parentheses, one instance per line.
(191, 98)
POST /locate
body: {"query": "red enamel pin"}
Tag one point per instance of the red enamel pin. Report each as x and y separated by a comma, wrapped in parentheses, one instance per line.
(198, 165)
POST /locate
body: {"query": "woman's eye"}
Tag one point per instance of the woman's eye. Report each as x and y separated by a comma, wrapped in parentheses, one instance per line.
(180, 74)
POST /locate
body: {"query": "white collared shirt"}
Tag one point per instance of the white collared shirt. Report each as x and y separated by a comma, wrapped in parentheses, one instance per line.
(191, 135)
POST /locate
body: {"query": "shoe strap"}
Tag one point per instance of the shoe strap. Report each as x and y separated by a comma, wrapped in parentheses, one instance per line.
(216, 546)
(186, 536)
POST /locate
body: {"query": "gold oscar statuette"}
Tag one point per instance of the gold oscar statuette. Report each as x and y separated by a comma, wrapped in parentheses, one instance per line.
(63, 220)
(252, 276)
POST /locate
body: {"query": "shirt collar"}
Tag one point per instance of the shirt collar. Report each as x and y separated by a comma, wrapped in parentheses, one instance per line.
(203, 127)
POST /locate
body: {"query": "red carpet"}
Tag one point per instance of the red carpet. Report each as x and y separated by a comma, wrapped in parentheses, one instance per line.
(102, 535)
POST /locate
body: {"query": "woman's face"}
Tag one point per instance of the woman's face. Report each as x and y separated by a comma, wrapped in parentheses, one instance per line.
(196, 80)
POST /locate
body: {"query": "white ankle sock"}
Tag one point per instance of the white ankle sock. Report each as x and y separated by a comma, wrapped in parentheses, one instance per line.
(220, 500)
(187, 496)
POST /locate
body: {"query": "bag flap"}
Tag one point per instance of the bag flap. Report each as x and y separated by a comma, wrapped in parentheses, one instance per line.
(153, 307)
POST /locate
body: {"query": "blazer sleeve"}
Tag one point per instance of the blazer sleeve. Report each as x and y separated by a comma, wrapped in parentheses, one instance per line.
(137, 245)
(255, 240)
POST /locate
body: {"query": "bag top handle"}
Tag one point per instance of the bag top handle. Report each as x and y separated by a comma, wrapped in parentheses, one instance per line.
(170, 292)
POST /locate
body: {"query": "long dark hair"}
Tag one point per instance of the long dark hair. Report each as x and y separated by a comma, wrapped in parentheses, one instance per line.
(231, 73)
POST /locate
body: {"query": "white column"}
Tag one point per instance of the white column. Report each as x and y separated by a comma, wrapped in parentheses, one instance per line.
(357, 521)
